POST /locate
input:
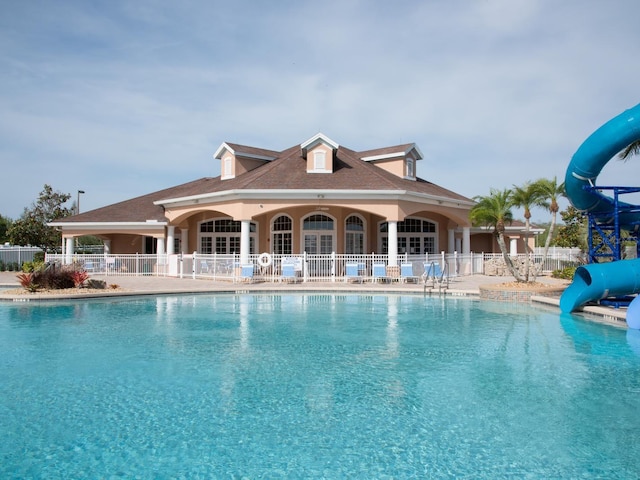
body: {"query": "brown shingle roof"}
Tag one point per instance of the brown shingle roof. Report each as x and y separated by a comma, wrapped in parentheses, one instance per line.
(287, 171)
(386, 150)
(139, 209)
(349, 173)
(245, 149)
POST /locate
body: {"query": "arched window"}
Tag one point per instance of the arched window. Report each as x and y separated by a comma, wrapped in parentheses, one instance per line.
(354, 235)
(281, 235)
(318, 234)
(222, 236)
(415, 236)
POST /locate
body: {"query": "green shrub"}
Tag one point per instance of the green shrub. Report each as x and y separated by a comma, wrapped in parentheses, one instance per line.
(32, 266)
(38, 257)
(3, 266)
(566, 273)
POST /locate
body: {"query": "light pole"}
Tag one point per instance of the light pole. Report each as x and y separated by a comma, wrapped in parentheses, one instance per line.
(78, 202)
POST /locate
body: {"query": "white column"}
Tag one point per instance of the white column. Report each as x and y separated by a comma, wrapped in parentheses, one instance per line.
(184, 241)
(466, 240)
(171, 233)
(107, 247)
(392, 235)
(451, 240)
(160, 250)
(245, 226)
(513, 247)
(69, 250)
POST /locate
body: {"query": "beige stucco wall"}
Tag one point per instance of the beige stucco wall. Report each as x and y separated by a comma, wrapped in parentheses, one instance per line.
(298, 213)
(395, 166)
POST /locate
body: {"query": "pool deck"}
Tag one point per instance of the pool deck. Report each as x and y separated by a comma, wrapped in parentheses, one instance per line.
(152, 285)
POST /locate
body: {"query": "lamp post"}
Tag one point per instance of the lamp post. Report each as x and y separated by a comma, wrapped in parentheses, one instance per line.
(78, 202)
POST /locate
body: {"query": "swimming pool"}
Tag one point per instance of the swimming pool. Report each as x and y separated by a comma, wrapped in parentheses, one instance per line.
(317, 385)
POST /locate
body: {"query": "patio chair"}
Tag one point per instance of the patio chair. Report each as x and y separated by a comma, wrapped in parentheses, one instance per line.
(379, 273)
(204, 266)
(352, 273)
(406, 273)
(288, 273)
(246, 272)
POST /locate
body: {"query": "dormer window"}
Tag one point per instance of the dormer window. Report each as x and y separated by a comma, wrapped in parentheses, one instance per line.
(319, 152)
(227, 171)
(410, 167)
(399, 160)
(319, 161)
(236, 160)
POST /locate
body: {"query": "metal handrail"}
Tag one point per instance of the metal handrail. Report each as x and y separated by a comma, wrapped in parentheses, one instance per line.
(443, 277)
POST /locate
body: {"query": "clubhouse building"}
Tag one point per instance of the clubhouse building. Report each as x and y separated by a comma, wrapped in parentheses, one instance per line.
(318, 197)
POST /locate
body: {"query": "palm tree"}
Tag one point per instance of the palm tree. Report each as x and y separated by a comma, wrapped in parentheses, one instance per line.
(526, 197)
(630, 150)
(551, 192)
(494, 211)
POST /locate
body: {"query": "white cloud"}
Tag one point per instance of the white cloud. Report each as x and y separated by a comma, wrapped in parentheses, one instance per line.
(494, 92)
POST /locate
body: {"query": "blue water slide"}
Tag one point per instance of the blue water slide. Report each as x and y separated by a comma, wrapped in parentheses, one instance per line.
(600, 280)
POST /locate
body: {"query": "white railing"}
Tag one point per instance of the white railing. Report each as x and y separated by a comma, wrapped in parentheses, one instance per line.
(115, 265)
(306, 267)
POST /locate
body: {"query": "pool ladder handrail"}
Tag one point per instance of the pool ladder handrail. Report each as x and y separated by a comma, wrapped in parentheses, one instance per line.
(442, 278)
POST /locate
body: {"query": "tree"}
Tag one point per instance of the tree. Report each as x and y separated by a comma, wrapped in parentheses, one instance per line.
(5, 223)
(574, 231)
(551, 192)
(494, 211)
(32, 229)
(526, 197)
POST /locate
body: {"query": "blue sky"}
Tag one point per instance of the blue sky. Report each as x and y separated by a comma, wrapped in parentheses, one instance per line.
(122, 98)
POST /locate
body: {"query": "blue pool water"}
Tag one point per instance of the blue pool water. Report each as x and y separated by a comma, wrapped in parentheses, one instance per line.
(309, 386)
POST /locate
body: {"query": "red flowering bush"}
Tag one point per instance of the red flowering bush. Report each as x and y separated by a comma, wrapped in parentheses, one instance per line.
(79, 277)
(27, 281)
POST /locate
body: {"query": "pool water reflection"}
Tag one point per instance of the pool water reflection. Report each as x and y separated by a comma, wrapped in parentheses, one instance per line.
(317, 385)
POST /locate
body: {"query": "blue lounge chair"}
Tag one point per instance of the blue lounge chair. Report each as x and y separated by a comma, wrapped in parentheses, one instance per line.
(406, 273)
(288, 273)
(379, 273)
(352, 273)
(246, 272)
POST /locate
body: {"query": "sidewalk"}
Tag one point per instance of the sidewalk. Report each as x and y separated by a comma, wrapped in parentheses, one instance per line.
(467, 285)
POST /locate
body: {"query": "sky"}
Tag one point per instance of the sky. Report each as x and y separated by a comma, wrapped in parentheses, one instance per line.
(123, 98)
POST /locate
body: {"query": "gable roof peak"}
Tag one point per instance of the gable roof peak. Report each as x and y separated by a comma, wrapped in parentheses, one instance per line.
(317, 139)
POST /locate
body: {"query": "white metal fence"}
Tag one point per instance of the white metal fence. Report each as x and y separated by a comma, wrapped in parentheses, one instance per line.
(115, 265)
(304, 267)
